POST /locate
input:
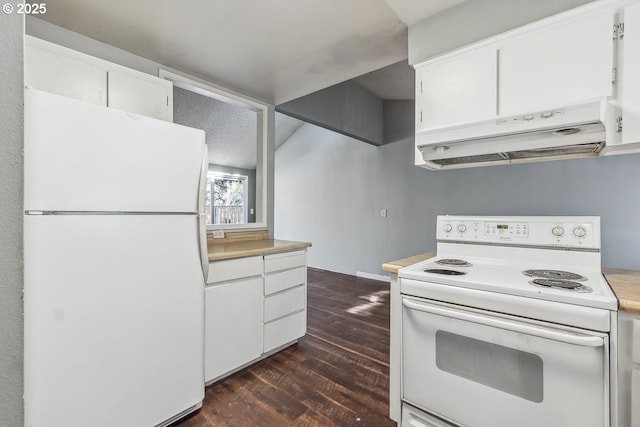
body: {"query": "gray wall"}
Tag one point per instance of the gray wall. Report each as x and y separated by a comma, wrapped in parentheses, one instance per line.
(347, 108)
(11, 259)
(474, 20)
(399, 120)
(330, 189)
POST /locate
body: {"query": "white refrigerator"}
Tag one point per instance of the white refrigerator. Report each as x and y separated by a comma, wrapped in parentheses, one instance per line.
(115, 259)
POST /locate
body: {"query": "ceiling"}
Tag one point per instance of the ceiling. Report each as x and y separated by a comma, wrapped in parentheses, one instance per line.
(274, 50)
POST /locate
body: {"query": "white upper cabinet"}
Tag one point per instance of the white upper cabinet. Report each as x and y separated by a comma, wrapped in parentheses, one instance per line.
(560, 64)
(460, 89)
(64, 74)
(140, 93)
(57, 69)
(564, 60)
(631, 78)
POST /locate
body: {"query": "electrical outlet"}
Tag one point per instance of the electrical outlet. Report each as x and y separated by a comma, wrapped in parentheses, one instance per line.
(218, 234)
(383, 213)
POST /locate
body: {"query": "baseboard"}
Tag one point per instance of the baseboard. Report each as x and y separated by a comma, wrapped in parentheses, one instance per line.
(379, 277)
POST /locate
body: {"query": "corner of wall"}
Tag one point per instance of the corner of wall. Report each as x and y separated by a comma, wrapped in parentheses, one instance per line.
(11, 250)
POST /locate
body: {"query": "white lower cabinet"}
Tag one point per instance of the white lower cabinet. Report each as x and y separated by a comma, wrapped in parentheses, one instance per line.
(628, 369)
(254, 306)
(233, 316)
(635, 397)
(285, 299)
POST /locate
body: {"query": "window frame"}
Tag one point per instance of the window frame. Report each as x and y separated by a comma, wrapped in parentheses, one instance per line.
(262, 114)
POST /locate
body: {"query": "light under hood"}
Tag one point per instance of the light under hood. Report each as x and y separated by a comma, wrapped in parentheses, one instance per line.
(570, 132)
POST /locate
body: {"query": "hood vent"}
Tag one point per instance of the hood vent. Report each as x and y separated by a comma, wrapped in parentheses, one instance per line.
(571, 132)
(592, 149)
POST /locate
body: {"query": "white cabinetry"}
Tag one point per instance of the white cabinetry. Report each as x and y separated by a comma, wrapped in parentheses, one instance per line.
(460, 89)
(140, 93)
(565, 63)
(254, 307)
(561, 61)
(64, 73)
(233, 315)
(57, 69)
(628, 369)
(285, 299)
(630, 82)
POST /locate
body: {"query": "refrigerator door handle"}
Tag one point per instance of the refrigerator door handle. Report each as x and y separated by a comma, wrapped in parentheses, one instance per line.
(204, 252)
(202, 185)
(202, 217)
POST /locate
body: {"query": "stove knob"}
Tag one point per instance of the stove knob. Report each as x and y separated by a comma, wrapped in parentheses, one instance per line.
(558, 231)
(447, 228)
(462, 228)
(579, 231)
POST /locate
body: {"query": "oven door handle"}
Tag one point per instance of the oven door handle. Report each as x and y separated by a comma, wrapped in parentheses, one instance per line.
(568, 338)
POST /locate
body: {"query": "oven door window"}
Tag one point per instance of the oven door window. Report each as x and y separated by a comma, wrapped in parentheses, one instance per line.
(483, 370)
(503, 368)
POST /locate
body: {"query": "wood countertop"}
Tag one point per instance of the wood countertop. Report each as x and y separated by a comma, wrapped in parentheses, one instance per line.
(626, 286)
(625, 283)
(394, 266)
(244, 248)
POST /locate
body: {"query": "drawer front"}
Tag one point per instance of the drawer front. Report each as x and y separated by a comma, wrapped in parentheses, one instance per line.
(276, 282)
(285, 303)
(285, 330)
(284, 261)
(221, 271)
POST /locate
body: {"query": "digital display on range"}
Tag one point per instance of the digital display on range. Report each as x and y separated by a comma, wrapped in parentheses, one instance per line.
(502, 226)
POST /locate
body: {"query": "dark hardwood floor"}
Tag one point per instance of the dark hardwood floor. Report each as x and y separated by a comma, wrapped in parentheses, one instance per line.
(337, 375)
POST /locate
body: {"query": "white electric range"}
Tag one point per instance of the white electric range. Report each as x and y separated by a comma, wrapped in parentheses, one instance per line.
(511, 324)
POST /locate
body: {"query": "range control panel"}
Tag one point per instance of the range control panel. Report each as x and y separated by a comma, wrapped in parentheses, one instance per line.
(579, 232)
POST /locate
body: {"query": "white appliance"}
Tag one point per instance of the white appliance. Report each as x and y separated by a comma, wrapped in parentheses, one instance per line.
(115, 258)
(512, 324)
(559, 133)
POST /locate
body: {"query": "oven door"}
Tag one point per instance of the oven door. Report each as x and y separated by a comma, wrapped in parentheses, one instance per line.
(484, 369)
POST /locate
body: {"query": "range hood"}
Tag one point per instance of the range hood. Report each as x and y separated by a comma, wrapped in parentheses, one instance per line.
(561, 133)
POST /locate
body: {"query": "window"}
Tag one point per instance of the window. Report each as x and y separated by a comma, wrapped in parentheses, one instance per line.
(226, 199)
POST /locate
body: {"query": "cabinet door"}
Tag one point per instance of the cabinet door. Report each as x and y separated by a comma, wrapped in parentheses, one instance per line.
(458, 90)
(635, 397)
(554, 66)
(141, 93)
(65, 75)
(233, 326)
(631, 70)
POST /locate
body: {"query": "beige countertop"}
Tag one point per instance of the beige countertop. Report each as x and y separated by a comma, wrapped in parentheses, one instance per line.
(394, 266)
(239, 249)
(625, 283)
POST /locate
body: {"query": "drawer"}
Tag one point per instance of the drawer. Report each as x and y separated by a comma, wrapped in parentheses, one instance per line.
(284, 261)
(284, 303)
(221, 271)
(285, 330)
(276, 282)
